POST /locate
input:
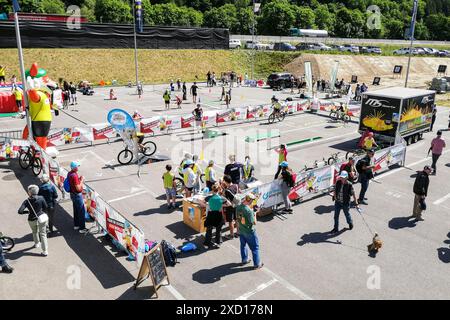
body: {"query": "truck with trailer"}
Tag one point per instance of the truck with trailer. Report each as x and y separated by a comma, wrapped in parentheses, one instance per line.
(397, 112)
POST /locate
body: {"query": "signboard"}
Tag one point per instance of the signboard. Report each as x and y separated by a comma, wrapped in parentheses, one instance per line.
(397, 69)
(153, 266)
(312, 182)
(416, 114)
(380, 115)
(354, 79)
(376, 81)
(442, 68)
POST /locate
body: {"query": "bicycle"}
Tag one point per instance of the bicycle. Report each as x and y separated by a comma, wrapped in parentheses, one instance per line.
(333, 158)
(278, 115)
(126, 156)
(339, 115)
(30, 157)
(179, 182)
(359, 152)
(7, 243)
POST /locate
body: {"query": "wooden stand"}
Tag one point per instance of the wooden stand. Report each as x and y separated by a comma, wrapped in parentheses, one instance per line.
(194, 216)
(153, 266)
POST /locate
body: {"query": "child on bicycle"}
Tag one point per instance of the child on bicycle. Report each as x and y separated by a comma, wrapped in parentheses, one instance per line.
(169, 186)
(276, 105)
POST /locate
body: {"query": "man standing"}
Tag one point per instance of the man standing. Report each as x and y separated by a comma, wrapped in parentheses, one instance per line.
(194, 92)
(73, 93)
(349, 167)
(343, 191)
(433, 117)
(76, 194)
(166, 97)
(287, 182)
(184, 91)
(437, 145)
(247, 231)
(248, 170)
(48, 191)
(420, 193)
(2, 75)
(282, 156)
(364, 169)
(233, 169)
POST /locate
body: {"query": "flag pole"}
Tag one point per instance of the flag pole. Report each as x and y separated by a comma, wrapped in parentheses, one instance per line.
(22, 71)
(412, 28)
(135, 44)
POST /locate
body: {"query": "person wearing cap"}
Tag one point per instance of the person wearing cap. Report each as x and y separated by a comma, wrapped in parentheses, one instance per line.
(210, 175)
(365, 175)
(420, 190)
(76, 195)
(48, 191)
(189, 177)
(35, 206)
(287, 182)
(233, 169)
(350, 168)
(246, 218)
(343, 191)
(437, 145)
(282, 156)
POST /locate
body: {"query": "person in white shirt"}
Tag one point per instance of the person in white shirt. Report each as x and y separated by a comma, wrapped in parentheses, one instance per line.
(189, 177)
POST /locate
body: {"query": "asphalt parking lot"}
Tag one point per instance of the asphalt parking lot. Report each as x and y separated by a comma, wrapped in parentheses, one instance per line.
(302, 260)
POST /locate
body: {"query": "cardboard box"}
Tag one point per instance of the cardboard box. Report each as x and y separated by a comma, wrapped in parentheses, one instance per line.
(194, 216)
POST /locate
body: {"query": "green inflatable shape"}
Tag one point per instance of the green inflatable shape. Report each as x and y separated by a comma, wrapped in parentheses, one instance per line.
(41, 73)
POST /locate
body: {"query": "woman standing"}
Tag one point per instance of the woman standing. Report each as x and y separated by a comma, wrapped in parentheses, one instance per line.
(214, 218)
(184, 91)
(36, 206)
(230, 190)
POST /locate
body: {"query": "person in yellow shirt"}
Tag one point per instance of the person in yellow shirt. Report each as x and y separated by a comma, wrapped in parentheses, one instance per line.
(19, 96)
(369, 142)
(2, 75)
(169, 185)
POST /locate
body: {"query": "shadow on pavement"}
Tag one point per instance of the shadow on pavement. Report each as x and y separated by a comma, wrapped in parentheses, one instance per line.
(346, 145)
(161, 210)
(181, 230)
(401, 222)
(141, 293)
(205, 276)
(105, 267)
(444, 253)
(324, 209)
(320, 237)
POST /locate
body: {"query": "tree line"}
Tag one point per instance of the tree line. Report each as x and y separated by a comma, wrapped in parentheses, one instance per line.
(341, 18)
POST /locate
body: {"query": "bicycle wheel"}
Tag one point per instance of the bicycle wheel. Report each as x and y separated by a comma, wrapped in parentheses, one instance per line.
(331, 160)
(25, 160)
(333, 115)
(202, 178)
(125, 156)
(179, 185)
(281, 116)
(149, 148)
(346, 118)
(271, 118)
(36, 166)
(7, 243)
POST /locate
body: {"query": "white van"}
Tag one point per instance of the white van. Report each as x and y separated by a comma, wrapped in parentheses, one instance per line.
(235, 44)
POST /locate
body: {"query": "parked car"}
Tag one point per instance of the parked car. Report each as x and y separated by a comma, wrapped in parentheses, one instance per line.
(235, 44)
(430, 51)
(256, 45)
(351, 48)
(405, 51)
(337, 47)
(280, 80)
(374, 49)
(443, 53)
(283, 46)
(320, 46)
(304, 46)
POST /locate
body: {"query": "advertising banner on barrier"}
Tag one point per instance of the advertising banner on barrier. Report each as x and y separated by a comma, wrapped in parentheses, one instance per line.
(103, 131)
(155, 125)
(254, 112)
(59, 137)
(226, 115)
(312, 182)
(9, 148)
(303, 105)
(209, 118)
(187, 121)
(268, 194)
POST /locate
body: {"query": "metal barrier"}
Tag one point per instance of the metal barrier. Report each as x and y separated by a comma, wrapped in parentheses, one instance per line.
(12, 134)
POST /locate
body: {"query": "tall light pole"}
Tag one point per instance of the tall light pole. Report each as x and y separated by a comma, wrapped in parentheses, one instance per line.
(412, 28)
(134, 3)
(255, 11)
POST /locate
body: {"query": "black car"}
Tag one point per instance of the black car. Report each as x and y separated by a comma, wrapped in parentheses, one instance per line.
(281, 80)
(283, 46)
(304, 46)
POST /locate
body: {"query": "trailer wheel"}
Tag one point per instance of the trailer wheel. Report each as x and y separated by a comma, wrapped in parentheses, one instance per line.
(420, 136)
(415, 138)
(408, 141)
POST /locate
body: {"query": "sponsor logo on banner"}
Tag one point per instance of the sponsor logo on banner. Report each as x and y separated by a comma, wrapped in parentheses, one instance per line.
(312, 182)
(104, 132)
(155, 125)
(187, 122)
(257, 112)
(227, 115)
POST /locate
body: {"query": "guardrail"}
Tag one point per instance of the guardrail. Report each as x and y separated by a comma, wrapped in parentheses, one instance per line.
(329, 40)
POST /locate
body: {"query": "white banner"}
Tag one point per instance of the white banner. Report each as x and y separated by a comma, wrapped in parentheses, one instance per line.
(308, 78)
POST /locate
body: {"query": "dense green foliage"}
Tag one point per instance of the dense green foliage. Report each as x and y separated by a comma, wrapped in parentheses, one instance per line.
(341, 18)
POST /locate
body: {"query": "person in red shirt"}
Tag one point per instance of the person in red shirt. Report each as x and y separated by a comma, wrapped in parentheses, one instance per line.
(76, 195)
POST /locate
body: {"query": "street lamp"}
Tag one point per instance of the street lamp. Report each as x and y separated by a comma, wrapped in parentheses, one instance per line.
(256, 7)
(413, 25)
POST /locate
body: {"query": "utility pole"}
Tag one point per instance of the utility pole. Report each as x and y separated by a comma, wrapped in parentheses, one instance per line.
(255, 11)
(412, 28)
(135, 43)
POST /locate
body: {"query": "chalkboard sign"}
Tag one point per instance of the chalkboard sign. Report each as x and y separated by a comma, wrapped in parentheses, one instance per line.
(397, 69)
(153, 266)
(442, 68)
(354, 79)
(376, 81)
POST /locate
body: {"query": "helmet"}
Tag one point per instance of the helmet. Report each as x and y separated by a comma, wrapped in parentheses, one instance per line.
(344, 175)
(284, 164)
(188, 156)
(211, 162)
(74, 164)
(195, 157)
(188, 162)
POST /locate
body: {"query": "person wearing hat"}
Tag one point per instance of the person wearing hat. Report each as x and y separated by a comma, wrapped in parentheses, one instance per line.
(343, 191)
(246, 218)
(210, 175)
(35, 206)
(287, 182)
(420, 190)
(369, 142)
(189, 177)
(365, 174)
(48, 191)
(76, 195)
(437, 145)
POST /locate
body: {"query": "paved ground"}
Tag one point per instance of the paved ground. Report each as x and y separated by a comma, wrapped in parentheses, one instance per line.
(301, 259)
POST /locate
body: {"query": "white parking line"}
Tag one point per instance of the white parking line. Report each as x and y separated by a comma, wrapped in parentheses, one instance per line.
(128, 196)
(439, 201)
(174, 292)
(259, 288)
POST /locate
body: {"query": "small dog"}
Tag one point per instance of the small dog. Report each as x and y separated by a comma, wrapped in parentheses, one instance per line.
(375, 245)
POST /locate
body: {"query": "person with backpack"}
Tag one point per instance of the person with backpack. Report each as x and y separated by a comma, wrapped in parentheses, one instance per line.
(287, 182)
(74, 185)
(35, 206)
(365, 171)
(420, 192)
(48, 191)
(343, 191)
(246, 218)
(229, 192)
(214, 217)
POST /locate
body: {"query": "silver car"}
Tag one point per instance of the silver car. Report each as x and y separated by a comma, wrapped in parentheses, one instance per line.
(351, 48)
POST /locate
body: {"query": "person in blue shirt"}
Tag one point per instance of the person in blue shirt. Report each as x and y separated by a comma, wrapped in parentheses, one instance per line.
(48, 191)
